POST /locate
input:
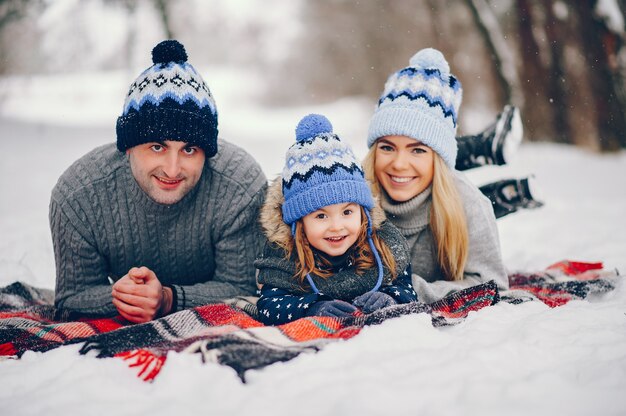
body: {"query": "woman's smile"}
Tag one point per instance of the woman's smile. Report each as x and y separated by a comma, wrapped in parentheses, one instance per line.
(401, 179)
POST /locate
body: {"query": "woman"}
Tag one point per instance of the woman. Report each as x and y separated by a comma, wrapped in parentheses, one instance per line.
(449, 224)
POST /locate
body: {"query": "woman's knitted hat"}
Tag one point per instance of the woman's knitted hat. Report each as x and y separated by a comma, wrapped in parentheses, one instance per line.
(320, 170)
(169, 101)
(421, 101)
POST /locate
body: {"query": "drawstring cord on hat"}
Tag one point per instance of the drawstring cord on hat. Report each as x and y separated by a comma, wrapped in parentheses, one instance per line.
(379, 263)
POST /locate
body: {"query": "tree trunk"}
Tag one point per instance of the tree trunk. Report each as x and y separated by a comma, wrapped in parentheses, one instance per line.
(437, 22)
(556, 78)
(163, 10)
(537, 109)
(131, 37)
(12, 10)
(505, 69)
(610, 114)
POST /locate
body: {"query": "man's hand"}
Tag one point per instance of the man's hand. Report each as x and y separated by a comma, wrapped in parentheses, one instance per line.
(139, 296)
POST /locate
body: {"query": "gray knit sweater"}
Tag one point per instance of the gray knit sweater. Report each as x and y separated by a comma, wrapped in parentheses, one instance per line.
(484, 261)
(103, 224)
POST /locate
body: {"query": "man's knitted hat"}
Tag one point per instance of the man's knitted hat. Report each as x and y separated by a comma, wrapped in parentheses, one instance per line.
(169, 101)
(421, 101)
(320, 170)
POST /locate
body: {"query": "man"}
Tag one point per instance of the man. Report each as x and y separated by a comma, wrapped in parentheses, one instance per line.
(169, 216)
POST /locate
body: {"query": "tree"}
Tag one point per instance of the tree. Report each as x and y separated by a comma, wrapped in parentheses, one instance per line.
(557, 79)
(599, 47)
(502, 58)
(163, 8)
(12, 11)
(536, 112)
(546, 108)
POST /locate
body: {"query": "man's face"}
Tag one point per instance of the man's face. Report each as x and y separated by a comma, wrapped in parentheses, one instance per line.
(166, 170)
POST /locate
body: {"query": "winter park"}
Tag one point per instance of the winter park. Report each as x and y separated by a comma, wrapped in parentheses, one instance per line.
(536, 323)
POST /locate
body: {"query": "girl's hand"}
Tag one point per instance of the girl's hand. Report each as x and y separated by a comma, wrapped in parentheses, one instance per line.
(373, 301)
(334, 308)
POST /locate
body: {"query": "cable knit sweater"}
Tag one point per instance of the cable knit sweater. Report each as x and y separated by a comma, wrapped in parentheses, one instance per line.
(103, 224)
(484, 260)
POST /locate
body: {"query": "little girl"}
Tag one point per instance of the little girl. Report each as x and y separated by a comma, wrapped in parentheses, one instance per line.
(330, 251)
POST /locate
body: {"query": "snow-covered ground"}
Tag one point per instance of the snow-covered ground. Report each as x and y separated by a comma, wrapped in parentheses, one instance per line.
(524, 359)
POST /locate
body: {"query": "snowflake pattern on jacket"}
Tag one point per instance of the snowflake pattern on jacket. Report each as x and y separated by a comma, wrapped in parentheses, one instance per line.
(284, 298)
(279, 306)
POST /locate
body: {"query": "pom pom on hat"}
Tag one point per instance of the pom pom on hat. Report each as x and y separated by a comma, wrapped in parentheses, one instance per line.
(430, 58)
(169, 51)
(311, 126)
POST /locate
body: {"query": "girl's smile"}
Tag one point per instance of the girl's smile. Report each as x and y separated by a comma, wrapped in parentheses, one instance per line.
(336, 241)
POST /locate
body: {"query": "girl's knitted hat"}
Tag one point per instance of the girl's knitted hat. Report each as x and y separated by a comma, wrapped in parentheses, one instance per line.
(169, 101)
(321, 170)
(421, 101)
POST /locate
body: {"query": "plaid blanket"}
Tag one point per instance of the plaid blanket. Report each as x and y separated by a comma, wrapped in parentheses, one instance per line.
(228, 333)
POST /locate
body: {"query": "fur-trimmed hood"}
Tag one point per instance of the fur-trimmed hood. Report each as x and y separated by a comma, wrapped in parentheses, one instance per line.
(271, 217)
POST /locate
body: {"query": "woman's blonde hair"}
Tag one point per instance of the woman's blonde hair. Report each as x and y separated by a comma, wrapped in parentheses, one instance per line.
(362, 257)
(447, 217)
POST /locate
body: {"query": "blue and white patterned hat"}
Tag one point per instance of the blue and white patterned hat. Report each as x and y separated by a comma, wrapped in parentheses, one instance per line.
(169, 101)
(421, 101)
(320, 170)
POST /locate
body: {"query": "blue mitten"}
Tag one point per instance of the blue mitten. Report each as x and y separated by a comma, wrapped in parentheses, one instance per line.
(335, 308)
(373, 301)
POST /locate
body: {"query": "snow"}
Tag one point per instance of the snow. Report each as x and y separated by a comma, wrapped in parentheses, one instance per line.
(609, 11)
(524, 359)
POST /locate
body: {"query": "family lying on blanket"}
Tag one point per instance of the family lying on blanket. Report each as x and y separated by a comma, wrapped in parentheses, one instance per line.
(173, 217)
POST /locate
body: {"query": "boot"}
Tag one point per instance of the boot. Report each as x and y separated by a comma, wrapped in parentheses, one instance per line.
(510, 195)
(496, 145)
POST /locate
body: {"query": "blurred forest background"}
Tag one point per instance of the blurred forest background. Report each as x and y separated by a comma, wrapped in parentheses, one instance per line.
(563, 63)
